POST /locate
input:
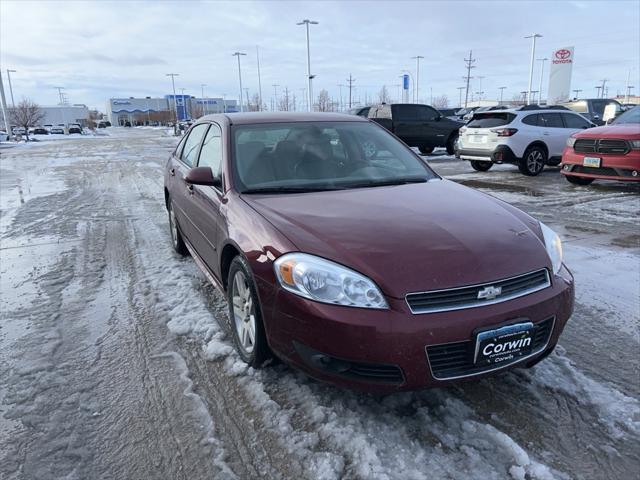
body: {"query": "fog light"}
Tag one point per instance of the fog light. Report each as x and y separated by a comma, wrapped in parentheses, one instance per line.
(634, 173)
(567, 167)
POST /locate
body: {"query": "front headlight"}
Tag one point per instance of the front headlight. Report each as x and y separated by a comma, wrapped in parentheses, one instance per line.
(554, 247)
(571, 141)
(635, 144)
(322, 280)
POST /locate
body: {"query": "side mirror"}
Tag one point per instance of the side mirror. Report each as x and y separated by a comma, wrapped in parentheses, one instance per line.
(609, 120)
(202, 176)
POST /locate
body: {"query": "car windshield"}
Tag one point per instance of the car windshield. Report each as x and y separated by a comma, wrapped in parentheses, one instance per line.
(630, 116)
(489, 120)
(311, 156)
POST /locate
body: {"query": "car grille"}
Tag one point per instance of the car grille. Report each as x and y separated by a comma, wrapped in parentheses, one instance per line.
(603, 145)
(472, 296)
(454, 360)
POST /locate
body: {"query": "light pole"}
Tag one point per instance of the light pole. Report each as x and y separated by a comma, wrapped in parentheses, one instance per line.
(417, 58)
(541, 75)
(460, 89)
(306, 23)
(259, 81)
(187, 110)
(598, 87)
(175, 101)
(533, 56)
(204, 109)
(501, 93)
(239, 54)
(3, 104)
(224, 103)
(13, 103)
(629, 87)
(577, 91)
(275, 96)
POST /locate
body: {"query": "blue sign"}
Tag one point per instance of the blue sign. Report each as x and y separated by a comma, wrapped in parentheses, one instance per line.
(405, 82)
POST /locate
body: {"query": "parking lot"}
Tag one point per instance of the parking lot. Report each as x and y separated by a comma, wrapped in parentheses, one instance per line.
(113, 365)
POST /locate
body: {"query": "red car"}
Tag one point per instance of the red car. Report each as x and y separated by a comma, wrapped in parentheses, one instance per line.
(610, 152)
(346, 256)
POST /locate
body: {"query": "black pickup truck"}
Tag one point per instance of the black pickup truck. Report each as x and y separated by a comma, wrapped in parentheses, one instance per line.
(417, 125)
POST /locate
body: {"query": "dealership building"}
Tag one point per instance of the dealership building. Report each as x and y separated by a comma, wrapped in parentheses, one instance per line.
(142, 111)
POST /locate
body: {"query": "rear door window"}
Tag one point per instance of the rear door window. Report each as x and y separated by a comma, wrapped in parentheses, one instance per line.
(403, 113)
(531, 120)
(575, 121)
(428, 114)
(550, 120)
(490, 120)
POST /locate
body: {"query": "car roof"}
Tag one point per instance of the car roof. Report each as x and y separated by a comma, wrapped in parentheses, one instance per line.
(248, 118)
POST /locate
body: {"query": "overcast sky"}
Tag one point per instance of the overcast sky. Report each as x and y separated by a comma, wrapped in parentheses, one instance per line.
(98, 50)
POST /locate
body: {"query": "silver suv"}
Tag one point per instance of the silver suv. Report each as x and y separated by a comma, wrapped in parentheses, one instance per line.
(530, 137)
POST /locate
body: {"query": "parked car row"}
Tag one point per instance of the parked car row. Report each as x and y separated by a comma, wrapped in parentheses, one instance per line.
(533, 136)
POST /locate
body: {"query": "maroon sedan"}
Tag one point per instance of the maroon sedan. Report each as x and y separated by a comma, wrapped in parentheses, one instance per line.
(345, 255)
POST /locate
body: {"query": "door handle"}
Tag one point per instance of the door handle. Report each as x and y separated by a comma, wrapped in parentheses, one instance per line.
(172, 172)
(545, 133)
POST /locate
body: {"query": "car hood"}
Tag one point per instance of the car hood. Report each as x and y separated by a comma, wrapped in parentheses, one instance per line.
(410, 238)
(627, 131)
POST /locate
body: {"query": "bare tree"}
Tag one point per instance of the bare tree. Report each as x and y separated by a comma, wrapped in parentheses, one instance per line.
(254, 104)
(26, 114)
(324, 102)
(383, 95)
(441, 101)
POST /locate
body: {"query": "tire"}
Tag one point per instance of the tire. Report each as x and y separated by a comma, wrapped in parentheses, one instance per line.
(533, 161)
(425, 150)
(451, 144)
(554, 162)
(245, 315)
(481, 166)
(578, 180)
(176, 236)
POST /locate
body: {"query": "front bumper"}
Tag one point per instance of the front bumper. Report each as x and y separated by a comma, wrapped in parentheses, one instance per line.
(501, 154)
(612, 167)
(386, 350)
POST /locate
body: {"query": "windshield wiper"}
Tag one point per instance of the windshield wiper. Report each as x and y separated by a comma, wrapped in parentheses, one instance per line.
(386, 182)
(288, 189)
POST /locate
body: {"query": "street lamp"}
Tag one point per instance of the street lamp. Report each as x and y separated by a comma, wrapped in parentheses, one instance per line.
(533, 56)
(175, 101)
(310, 77)
(204, 109)
(577, 92)
(501, 93)
(541, 75)
(460, 96)
(9, 72)
(239, 54)
(417, 58)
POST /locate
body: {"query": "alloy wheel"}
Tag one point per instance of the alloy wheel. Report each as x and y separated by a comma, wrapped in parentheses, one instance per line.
(535, 161)
(244, 313)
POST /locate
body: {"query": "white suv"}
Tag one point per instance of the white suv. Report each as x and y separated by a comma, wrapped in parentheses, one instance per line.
(530, 137)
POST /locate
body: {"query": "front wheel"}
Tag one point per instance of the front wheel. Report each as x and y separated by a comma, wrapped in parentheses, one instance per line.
(578, 180)
(533, 161)
(245, 314)
(481, 166)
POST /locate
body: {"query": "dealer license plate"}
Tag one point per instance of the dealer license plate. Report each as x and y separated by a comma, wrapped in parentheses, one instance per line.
(591, 162)
(478, 138)
(503, 345)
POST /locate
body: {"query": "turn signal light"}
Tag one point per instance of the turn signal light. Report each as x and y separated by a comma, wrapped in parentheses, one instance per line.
(286, 272)
(505, 132)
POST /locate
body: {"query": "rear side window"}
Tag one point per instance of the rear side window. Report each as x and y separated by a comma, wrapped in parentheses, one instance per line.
(550, 120)
(192, 143)
(575, 121)
(407, 112)
(490, 120)
(580, 107)
(364, 112)
(531, 120)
